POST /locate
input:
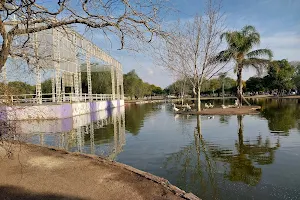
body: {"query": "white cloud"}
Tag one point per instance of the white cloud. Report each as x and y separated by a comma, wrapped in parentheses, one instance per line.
(150, 71)
(285, 45)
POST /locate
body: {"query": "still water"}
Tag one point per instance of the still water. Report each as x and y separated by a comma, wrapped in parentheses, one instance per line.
(220, 157)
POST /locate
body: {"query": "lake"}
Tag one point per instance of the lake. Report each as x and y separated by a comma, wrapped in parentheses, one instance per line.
(214, 157)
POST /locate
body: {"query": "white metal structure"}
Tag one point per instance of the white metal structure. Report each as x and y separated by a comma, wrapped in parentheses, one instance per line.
(59, 51)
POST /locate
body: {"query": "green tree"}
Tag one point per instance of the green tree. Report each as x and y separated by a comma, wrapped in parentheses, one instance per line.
(280, 75)
(47, 86)
(296, 76)
(255, 84)
(240, 44)
(135, 87)
(19, 87)
(101, 82)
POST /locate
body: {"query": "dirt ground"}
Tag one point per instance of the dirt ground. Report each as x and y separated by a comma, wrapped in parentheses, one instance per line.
(244, 110)
(35, 173)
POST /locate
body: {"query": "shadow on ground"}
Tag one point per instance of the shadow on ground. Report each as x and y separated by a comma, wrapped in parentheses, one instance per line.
(17, 193)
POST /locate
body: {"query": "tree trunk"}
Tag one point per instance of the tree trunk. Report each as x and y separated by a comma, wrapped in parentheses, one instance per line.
(240, 133)
(223, 93)
(240, 84)
(198, 99)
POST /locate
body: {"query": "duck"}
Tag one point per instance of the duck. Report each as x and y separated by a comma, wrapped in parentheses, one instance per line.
(223, 106)
(206, 106)
(210, 105)
(210, 117)
(188, 107)
(175, 109)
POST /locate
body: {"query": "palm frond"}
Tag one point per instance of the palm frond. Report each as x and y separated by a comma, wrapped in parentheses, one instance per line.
(257, 63)
(248, 29)
(223, 56)
(227, 36)
(260, 53)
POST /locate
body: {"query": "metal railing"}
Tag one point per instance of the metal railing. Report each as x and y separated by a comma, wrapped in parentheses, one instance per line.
(47, 97)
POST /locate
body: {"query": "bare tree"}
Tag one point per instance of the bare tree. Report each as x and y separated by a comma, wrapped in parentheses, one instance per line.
(126, 19)
(193, 46)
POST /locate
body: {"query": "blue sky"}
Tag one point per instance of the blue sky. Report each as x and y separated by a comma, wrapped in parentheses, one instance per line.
(278, 22)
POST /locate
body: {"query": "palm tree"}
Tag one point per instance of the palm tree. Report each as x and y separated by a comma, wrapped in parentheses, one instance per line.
(240, 44)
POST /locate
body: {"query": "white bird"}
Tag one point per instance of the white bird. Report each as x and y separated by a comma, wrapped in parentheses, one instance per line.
(175, 109)
(223, 106)
(188, 107)
(210, 117)
(210, 105)
(206, 106)
(236, 102)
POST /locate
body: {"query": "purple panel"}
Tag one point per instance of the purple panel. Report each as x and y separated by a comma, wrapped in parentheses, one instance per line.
(67, 124)
(3, 113)
(109, 108)
(93, 106)
(93, 110)
(65, 110)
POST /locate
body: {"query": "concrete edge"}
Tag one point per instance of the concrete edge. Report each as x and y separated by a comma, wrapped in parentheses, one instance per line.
(164, 182)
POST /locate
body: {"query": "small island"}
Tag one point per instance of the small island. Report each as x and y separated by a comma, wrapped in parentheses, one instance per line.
(244, 110)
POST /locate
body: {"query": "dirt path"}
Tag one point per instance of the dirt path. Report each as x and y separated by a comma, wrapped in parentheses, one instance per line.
(40, 173)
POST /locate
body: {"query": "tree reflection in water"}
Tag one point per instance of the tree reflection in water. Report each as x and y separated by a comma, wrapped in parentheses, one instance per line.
(135, 115)
(247, 154)
(196, 167)
(282, 114)
(201, 162)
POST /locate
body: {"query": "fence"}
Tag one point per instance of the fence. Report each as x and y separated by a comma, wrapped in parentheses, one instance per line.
(49, 97)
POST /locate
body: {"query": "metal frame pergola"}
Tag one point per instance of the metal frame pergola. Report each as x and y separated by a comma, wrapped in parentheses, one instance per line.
(59, 51)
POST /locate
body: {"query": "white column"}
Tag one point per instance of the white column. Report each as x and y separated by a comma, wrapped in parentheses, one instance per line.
(53, 87)
(63, 87)
(38, 86)
(118, 82)
(76, 78)
(80, 84)
(56, 59)
(122, 84)
(58, 85)
(113, 87)
(88, 73)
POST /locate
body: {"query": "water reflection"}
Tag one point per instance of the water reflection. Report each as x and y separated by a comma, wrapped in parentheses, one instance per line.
(247, 154)
(101, 133)
(201, 165)
(135, 115)
(282, 114)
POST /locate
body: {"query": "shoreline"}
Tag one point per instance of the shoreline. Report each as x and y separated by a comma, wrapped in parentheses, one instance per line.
(143, 101)
(45, 171)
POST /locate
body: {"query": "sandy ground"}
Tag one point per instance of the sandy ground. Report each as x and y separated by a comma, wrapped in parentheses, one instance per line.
(244, 110)
(35, 172)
